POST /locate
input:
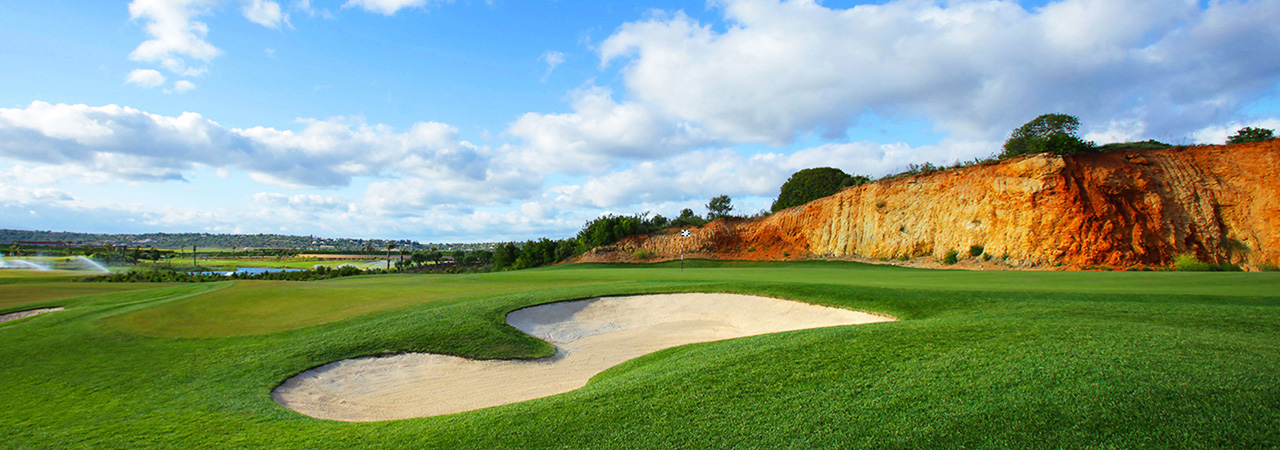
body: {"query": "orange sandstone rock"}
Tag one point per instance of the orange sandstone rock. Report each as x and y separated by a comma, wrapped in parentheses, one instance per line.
(1119, 209)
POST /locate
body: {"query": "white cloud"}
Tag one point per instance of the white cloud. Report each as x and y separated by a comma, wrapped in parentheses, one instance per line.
(124, 144)
(18, 195)
(182, 86)
(390, 7)
(553, 59)
(976, 68)
(265, 13)
(145, 77)
(702, 174)
(598, 133)
(175, 34)
(1218, 134)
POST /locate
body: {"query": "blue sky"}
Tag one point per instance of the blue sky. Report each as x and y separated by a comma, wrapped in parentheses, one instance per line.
(494, 120)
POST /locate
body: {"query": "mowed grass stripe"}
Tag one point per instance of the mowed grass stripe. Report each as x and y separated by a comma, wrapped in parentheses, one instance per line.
(17, 294)
(255, 307)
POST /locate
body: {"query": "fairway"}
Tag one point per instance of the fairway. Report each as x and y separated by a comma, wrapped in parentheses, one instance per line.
(976, 359)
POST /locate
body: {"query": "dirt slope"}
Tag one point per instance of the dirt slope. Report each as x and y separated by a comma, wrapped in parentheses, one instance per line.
(1119, 209)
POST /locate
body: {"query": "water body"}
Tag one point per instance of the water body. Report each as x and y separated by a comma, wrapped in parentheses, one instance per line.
(247, 271)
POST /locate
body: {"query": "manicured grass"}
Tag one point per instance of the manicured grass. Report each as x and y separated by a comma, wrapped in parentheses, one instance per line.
(1033, 360)
(14, 294)
(261, 307)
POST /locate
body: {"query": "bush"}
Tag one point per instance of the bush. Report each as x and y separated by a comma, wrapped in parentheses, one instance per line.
(641, 254)
(1189, 263)
(1150, 144)
(1049, 133)
(687, 218)
(951, 257)
(1250, 134)
(811, 184)
(1268, 267)
(975, 250)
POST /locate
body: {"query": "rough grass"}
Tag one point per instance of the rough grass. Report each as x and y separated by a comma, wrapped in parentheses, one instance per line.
(1037, 360)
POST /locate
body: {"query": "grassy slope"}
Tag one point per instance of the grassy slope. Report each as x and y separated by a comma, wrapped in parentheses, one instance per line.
(1021, 364)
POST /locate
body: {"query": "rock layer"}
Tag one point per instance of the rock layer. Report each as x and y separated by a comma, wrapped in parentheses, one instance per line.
(1118, 209)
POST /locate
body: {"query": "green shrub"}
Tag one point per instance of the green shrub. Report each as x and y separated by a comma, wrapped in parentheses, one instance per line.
(1049, 133)
(975, 250)
(1189, 263)
(986, 257)
(1150, 144)
(1268, 267)
(951, 257)
(811, 184)
(1250, 134)
(641, 254)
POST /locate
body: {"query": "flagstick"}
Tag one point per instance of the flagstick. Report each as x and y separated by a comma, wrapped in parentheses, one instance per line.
(683, 234)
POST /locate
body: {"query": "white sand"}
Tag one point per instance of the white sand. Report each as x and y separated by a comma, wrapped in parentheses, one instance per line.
(28, 313)
(592, 335)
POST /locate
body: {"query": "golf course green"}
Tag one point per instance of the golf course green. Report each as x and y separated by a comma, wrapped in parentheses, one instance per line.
(1000, 359)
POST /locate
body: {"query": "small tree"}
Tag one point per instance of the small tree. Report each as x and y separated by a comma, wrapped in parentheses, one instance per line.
(719, 207)
(1250, 134)
(1049, 133)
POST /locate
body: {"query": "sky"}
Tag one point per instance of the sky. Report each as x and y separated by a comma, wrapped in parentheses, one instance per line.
(482, 121)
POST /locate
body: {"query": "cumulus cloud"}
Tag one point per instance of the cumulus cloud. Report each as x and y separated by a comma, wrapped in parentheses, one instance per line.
(390, 7)
(976, 68)
(146, 78)
(175, 33)
(599, 131)
(114, 143)
(265, 13)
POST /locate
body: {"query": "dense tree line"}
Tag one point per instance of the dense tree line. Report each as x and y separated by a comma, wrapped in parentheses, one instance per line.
(173, 276)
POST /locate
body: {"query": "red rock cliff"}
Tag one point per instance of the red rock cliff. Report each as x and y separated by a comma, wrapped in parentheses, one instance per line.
(1120, 209)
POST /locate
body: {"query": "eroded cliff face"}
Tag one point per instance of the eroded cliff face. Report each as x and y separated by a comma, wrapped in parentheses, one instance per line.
(1119, 209)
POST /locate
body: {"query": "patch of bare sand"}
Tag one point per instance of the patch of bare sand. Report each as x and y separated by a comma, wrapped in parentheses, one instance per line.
(591, 335)
(28, 313)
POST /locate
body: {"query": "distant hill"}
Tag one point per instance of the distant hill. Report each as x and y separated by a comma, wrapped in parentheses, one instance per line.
(222, 241)
(1118, 209)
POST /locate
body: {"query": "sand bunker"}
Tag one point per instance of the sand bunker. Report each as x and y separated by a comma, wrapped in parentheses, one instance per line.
(28, 313)
(591, 335)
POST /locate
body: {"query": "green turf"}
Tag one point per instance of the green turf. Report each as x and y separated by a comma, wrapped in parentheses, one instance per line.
(16, 294)
(979, 360)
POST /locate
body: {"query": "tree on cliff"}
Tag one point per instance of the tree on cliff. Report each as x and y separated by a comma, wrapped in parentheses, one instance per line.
(1049, 133)
(811, 184)
(1250, 134)
(719, 207)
